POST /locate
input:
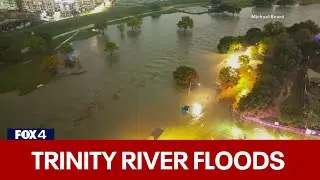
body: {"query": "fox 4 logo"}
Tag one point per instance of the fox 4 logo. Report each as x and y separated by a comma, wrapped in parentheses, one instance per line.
(30, 134)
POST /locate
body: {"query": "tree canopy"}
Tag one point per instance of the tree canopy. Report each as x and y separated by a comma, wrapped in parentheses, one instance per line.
(230, 43)
(224, 8)
(100, 27)
(36, 44)
(185, 23)
(310, 25)
(185, 75)
(51, 63)
(286, 2)
(121, 27)
(273, 29)
(65, 49)
(111, 47)
(262, 3)
(134, 22)
(228, 77)
(281, 50)
(302, 36)
(253, 36)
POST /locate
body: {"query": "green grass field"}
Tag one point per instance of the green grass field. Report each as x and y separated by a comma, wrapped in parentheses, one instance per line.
(24, 76)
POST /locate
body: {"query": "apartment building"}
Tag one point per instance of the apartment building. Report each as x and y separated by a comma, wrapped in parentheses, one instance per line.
(9, 5)
(58, 5)
(82, 5)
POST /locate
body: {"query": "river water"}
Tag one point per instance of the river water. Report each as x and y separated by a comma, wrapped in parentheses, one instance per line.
(127, 95)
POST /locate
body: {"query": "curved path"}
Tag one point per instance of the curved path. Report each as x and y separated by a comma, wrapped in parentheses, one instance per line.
(281, 127)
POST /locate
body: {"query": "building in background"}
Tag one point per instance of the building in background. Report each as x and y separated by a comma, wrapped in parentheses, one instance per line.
(62, 6)
(85, 5)
(9, 5)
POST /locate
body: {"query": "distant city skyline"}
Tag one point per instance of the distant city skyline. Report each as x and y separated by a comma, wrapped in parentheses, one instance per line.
(49, 5)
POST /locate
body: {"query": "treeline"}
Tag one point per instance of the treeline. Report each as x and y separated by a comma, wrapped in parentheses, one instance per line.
(219, 7)
(266, 3)
(281, 49)
(38, 42)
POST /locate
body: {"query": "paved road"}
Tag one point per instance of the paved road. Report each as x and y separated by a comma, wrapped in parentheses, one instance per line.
(281, 127)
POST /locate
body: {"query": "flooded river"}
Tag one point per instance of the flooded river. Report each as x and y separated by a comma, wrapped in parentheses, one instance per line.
(128, 95)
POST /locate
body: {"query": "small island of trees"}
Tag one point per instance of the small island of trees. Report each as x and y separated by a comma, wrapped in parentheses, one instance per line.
(219, 7)
(184, 75)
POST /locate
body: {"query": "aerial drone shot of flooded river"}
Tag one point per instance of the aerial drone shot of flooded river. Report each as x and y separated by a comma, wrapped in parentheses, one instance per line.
(131, 92)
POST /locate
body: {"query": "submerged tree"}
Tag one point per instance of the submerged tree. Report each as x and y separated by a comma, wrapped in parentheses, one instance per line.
(185, 23)
(121, 27)
(185, 75)
(262, 3)
(111, 47)
(230, 43)
(134, 22)
(100, 27)
(286, 2)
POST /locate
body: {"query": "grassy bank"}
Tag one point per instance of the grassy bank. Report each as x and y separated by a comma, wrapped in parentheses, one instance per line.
(24, 76)
(56, 28)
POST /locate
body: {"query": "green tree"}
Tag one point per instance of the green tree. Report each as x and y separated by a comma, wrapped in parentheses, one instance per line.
(121, 27)
(302, 36)
(111, 47)
(230, 43)
(310, 25)
(287, 57)
(37, 44)
(223, 7)
(262, 3)
(244, 60)
(253, 36)
(134, 22)
(185, 75)
(100, 27)
(228, 77)
(66, 49)
(216, 3)
(46, 36)
(273, 29)
(51, 63)
(234, 10)
(286, 2)
(185, 23)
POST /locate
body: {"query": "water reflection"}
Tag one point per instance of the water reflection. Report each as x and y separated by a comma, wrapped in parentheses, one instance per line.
(114, 59)
(133, 33)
